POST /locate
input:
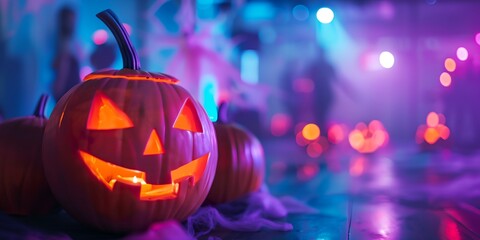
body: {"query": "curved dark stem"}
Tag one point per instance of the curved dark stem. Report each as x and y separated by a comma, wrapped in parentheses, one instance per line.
(223, 113)
(129, 55)
(40, 108)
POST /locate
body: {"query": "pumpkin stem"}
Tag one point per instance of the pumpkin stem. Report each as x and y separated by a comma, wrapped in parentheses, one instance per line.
(40, 108)
(129, 55)
(223, 113)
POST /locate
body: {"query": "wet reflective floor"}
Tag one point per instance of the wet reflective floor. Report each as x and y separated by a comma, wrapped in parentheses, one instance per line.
(396, 193)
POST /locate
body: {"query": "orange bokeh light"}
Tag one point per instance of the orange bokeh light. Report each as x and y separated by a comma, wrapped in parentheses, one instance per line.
(367, 139)
(432, 119)
(450, 64)
(431, 135)
(362, 127)
(375, 125)
(356, 139)
(379, 137)
(311, 131)
(443, 131)
(445, 79)
(434, 130)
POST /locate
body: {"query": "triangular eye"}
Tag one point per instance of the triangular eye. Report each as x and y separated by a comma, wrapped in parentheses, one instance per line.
(154, 146)
(187, 119)
(106, 115)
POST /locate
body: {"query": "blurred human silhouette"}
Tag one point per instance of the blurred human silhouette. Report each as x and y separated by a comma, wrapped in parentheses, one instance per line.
(323, 75)
(65, 63)
(308, 90)
(103, 56)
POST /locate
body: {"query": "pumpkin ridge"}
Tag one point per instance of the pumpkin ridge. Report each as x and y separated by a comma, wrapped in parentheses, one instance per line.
(251, 164)
(23, 187)
(233, 154)
(241, 142)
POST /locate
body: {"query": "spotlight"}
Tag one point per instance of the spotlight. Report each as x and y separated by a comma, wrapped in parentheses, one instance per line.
(325, 15)
(386, 59)
(462, 54)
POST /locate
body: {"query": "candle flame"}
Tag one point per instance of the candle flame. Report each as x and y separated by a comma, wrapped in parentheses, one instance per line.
(134, 180)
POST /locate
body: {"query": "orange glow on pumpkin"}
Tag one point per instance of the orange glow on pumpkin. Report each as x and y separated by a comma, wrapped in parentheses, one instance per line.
(193, 170)
(109, 174)
(106, 115)
(154, 146)
(187, 119)
(133, 78)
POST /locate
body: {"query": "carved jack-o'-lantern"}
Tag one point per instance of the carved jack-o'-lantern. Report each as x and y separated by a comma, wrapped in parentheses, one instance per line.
(126, 148)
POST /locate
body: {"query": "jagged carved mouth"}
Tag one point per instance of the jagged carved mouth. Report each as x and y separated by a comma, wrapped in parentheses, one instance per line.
(109, 174)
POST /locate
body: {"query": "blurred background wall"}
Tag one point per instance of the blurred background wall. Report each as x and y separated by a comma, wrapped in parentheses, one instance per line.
(272, 44)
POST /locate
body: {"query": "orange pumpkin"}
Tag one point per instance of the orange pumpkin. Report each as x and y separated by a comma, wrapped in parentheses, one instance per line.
(241, 162)
(23, 187)
(127, 147)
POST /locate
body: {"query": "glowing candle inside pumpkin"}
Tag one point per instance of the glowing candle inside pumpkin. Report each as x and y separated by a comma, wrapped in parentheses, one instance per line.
(137, 181)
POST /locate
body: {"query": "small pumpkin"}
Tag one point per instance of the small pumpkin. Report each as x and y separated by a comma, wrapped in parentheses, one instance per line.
(127, 147)
(23, 187)
(241, 161)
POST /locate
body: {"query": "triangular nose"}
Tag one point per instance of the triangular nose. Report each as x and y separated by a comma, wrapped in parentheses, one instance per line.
(154, 146)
